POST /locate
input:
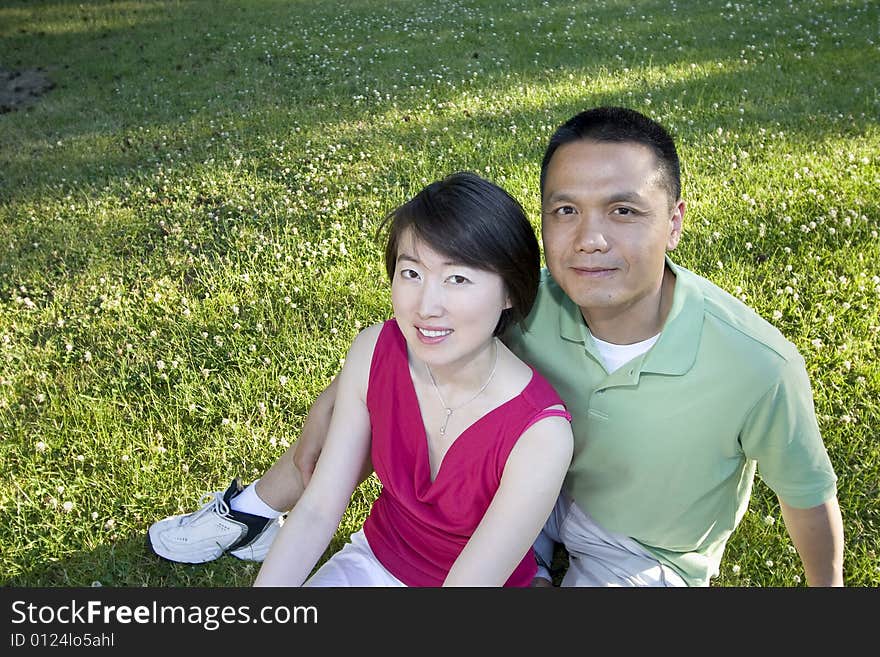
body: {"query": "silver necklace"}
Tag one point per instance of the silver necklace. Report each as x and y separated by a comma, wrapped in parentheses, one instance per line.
(450, 411)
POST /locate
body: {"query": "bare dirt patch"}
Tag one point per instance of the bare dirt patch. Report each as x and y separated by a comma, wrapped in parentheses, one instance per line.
(23, 88)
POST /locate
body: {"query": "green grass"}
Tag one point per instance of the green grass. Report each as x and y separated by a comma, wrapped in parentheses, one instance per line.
(187, 228)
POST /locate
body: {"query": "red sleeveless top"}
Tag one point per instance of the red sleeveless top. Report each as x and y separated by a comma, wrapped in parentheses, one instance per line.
(416, 527)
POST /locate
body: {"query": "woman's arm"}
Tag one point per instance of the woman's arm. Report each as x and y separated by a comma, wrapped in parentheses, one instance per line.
(529, 487)
(312, 522)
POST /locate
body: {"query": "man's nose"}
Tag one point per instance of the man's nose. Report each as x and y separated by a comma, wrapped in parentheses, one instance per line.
(590, 235)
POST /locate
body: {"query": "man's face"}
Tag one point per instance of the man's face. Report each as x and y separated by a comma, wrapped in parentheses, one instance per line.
(607, 222)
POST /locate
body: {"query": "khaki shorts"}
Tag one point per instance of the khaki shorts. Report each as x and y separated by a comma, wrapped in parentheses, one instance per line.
(597, 557)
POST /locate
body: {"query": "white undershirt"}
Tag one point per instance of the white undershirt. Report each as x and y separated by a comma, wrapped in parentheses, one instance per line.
(615, 355)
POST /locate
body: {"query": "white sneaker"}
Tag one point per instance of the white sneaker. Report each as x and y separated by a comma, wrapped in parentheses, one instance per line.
(213, 530)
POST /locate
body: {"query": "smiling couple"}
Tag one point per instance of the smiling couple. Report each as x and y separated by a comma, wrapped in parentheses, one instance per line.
(614, 402)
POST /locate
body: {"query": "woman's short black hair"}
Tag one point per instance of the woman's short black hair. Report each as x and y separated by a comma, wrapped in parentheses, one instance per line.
(477, 223)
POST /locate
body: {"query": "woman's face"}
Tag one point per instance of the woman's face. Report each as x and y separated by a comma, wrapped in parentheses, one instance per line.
(447, 311)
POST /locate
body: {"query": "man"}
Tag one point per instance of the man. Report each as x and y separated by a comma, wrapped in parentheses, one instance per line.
(677, 390)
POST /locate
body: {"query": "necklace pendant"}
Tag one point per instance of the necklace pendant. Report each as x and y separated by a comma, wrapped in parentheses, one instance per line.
(445, 422)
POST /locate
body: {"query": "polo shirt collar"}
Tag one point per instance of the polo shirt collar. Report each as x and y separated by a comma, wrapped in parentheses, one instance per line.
(676, 350)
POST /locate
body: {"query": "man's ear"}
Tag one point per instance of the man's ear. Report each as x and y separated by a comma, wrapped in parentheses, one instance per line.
(675, 222)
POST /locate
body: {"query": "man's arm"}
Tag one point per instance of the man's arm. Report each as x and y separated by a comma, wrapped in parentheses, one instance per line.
(315, 517)
(314, 432)
(817, 534)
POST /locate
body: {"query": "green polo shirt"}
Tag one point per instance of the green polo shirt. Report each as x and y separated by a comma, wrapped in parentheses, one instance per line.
(666, 447)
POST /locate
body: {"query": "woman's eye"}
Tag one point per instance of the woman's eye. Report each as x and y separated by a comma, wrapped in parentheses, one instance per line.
(457, 279)
(408, 273)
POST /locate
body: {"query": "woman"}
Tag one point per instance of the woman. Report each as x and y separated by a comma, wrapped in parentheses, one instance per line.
(470, 444)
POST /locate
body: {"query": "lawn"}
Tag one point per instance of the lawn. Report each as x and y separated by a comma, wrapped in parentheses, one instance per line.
(190, 191)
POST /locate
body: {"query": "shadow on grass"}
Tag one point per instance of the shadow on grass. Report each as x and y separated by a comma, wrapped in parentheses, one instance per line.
(131, 76)
(129, 562)
(143, 86)
(141, 90)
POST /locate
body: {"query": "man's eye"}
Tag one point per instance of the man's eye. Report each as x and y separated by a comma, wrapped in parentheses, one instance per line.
(457, 279)
(624, 212)
(565, 209)
(408, 273)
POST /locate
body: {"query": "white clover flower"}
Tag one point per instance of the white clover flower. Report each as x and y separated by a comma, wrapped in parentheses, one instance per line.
(41, 446)
(768, 520)
(282, 380)
(67, 507)
(769, 563)
(777, 314)
(160, 365)
(735, 568)
(109, 524)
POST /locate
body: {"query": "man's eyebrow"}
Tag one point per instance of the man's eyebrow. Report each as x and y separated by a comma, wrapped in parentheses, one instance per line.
(614, 197)
(558, 196)
(630, 197)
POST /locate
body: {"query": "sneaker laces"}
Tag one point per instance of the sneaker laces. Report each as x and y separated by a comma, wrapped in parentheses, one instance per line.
(212, 503)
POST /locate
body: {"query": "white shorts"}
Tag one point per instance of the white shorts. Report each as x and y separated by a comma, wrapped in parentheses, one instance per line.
(354, 565)
(597, 557)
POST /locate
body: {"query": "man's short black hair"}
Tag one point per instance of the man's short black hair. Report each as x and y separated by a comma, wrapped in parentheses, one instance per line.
(619, 124)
